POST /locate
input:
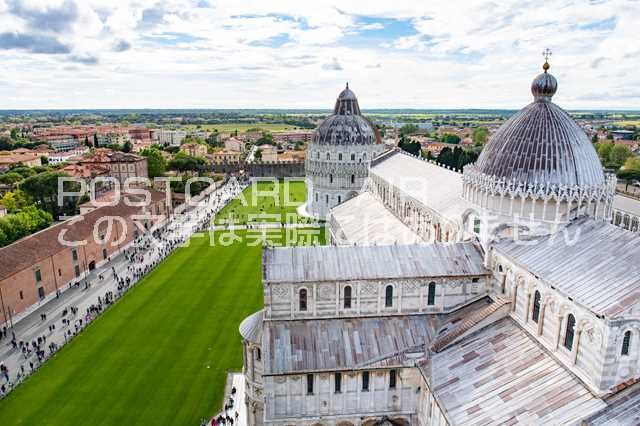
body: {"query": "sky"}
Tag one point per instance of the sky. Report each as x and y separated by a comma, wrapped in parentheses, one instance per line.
(300, 53)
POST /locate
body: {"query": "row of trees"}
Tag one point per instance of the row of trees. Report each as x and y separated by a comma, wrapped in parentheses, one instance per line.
(456, 158)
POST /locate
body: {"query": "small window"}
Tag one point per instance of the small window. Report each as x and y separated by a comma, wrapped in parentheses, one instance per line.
(353, 178)
(309, 384)
(330, 178)
(38, 275)
(74, 255)
(626, 343)
(59, 272)
(317, 155)
(258, 354)
(569, 332)
(353, 157)
(303, 299)
(535, 315)
(347, 297)
(338, 382)
(104, 254)
(339, 199)
(388, 296)
(316, 197)
(326, 199)
(392, 379)
(76, 269)
(431, 294)
(340, 157)
(365, 381)
(476, 225)
(328, 156)
(21, 295)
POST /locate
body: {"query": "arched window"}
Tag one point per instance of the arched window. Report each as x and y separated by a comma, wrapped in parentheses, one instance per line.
(364, 156)
(328, 156)
(388, 296)
(316, 197)
(536, 307)
(353, 178)
(326, 199)
(347, 297)
(431, 295)
(339, 199)
(340, 157)
(330, 178)
(569, 332)
(303, 299)
(353, 157)
(626, 342)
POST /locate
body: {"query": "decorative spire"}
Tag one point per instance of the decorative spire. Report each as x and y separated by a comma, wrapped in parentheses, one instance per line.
(347, 85)
(546, 54)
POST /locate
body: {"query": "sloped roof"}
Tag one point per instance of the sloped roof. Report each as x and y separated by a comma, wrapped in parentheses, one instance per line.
(436, 187)
(341, 263)
(500, 375)
(251, 327)
(364, 220)
(597, 264)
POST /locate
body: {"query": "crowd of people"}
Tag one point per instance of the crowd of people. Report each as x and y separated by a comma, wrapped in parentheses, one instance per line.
(225, 417)
(142, 256)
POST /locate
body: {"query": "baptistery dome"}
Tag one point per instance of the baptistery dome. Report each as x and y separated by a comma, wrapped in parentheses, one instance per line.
(338, 156)
(346, 126)
(542, 143)
(539, 167)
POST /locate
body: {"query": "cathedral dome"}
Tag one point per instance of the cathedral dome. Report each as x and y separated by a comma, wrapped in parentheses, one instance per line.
(346, 126)
(542, 144)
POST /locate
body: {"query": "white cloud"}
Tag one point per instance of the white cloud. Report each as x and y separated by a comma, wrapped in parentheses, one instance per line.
(283, 53)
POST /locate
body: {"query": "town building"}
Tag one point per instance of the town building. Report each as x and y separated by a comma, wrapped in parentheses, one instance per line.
(169, 137)
(499, 295)
(234, 144)
(338, 156)
(121, 165)
(37, 266)
(12, 158)
(194, 149)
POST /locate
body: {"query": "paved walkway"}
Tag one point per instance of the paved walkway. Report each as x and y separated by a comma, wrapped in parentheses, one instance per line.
(132, 263)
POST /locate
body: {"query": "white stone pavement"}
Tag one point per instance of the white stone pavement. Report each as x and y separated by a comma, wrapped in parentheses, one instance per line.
(29, 327)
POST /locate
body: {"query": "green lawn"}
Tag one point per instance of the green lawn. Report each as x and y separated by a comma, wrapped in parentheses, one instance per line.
(160, 355)
(266, 208)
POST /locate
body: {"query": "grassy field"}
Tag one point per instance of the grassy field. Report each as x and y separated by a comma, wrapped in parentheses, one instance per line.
(266, 208)
(160, 355)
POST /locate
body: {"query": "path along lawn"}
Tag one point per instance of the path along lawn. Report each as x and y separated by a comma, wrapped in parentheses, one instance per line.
(160, 355)
(265, 201)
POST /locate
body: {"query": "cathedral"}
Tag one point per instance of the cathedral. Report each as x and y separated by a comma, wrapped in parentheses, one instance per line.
(496, 295)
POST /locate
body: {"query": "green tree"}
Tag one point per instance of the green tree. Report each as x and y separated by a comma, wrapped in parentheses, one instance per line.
(594, 138)
(604, 151)
(127, 147)
(43, 190)
(408, 129)
(15, 201)
(10, 178)
(480, 135)
(265, 139)
(619, 154)
(452, 139)
(258, 155)
(156, 164)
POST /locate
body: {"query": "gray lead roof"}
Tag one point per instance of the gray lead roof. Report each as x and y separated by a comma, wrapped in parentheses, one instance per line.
(331, 263)
(542, 143)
